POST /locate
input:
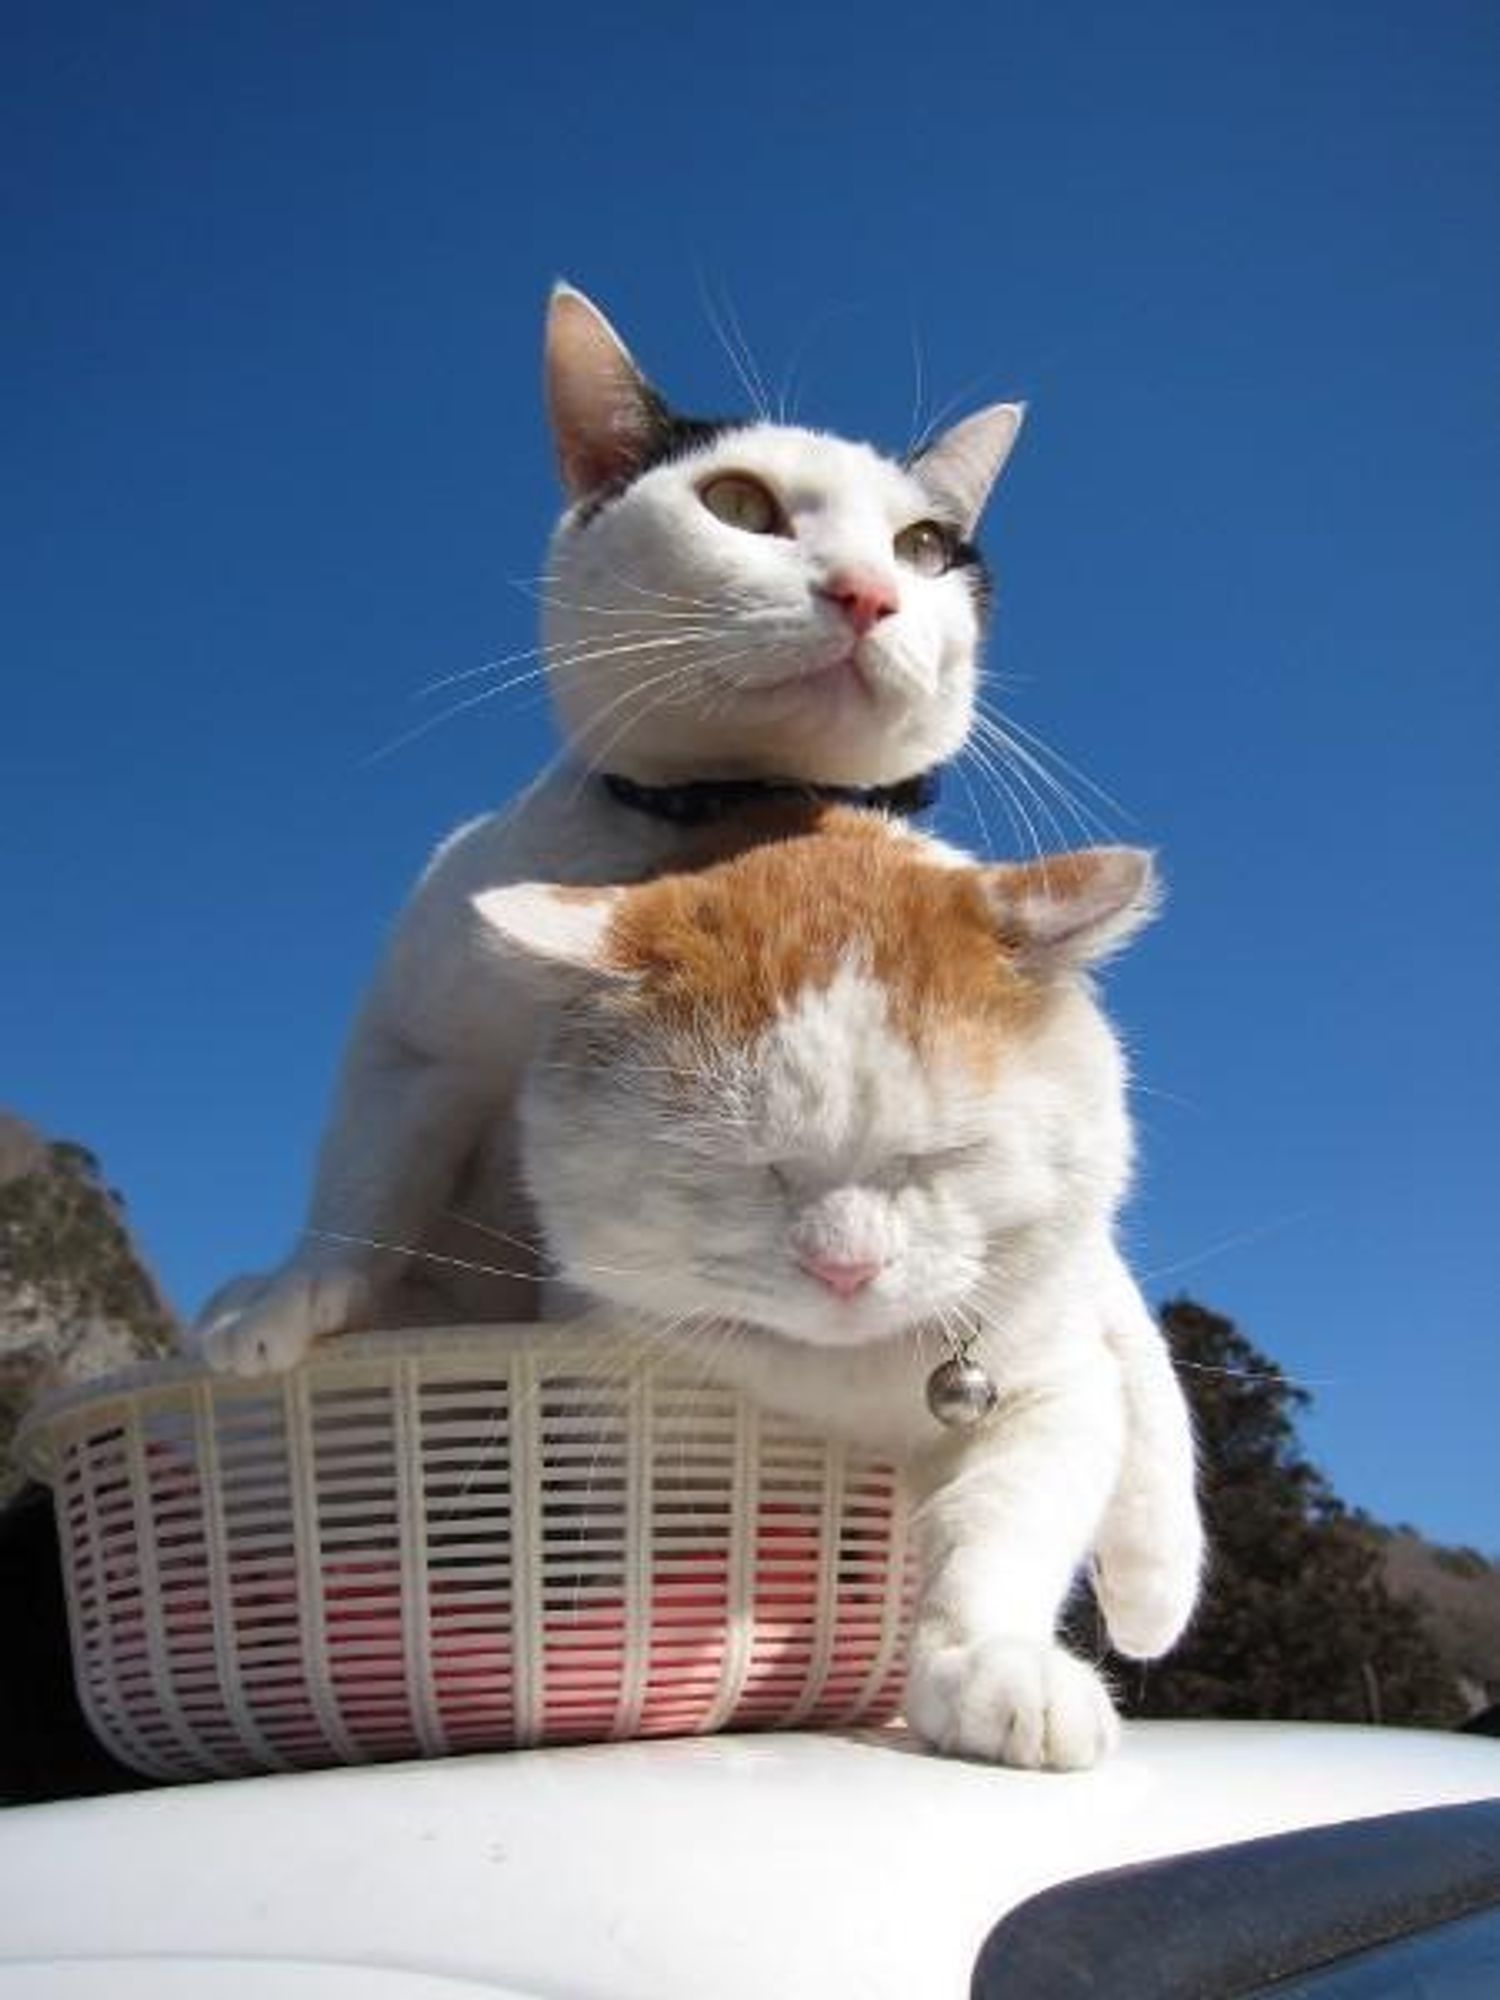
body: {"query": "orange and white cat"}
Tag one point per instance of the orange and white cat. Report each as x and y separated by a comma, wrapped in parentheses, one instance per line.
(819, 1109)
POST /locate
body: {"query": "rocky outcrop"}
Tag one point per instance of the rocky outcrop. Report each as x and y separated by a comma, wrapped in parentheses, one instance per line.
(76, 1299)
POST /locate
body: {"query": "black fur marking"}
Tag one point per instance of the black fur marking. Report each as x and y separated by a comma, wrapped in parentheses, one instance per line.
(670, 436)
(966, 557)
(709, 800)
(966, 554)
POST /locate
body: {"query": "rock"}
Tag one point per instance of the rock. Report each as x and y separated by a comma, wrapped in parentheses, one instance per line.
(76, 1298)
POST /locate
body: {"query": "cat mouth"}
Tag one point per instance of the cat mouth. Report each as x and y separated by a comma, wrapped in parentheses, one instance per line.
(845, 679)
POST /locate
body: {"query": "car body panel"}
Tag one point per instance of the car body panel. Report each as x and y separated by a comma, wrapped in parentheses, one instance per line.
(732, 1866)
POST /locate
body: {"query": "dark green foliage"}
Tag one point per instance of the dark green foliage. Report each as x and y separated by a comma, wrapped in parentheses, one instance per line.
(1297, 1619)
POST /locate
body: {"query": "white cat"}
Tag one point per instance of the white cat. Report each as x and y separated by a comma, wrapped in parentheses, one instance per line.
(821, 1107)
(725, 602)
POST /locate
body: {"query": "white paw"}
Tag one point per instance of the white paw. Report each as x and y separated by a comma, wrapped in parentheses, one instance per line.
(1010, 1701)
(1148, 1602)
(263, 1326)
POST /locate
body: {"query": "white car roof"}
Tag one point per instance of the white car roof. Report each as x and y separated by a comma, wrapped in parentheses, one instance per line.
(728, 1868)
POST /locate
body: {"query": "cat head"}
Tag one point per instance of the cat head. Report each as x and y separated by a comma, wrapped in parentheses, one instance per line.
(832, 1086)
(743, 598)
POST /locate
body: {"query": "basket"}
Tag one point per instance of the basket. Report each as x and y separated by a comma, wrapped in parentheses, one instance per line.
(469, 1539)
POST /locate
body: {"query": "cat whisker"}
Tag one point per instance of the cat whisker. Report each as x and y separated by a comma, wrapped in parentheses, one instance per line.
(538, 587)
(1040, 808)
(1238, 1240)
(673, 597)
(554, 665)
(1274, 1375)
(953, 1314)
(426, 727)
(616, 1360)
(1028, 768)
(531, 1246)
(494, 666)
(918, 397)
(790, 387)
(740, 358)
(975, 806)
(593, 748)
(1044, 749)
(1041, 787)
(968, 392)
(1020, 820)
(689, 614)
(418, 1253)
(1140, 1089)
(548, 657)
(682, 676)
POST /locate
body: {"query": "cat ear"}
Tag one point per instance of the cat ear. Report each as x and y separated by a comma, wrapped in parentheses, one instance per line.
(555, 931)
(961, 466)
(1065, 911)
(604, 412)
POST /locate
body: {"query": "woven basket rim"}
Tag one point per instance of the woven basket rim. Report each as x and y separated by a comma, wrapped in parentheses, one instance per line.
(31, 1447)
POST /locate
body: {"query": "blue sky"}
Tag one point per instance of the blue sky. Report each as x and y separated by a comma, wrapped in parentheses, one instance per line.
(275, 460)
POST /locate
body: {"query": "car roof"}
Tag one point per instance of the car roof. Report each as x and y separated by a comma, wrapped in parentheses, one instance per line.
(734, 1866)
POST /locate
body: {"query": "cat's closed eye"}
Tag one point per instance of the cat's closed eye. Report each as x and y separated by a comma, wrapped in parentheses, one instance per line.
(945, 1159)
(927, 547)
(742, 502)
(904, 1170)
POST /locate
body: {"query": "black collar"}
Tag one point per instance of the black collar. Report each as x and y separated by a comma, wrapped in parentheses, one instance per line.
(707, 800)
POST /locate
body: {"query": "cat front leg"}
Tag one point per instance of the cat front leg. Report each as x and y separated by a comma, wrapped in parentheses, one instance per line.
(1004, 1530)
(401, 1131)
(1148, 1557)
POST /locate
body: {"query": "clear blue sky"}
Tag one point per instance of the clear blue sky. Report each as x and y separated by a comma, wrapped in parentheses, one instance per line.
(274, 456)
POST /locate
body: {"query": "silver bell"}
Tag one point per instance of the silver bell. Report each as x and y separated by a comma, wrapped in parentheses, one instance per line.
(960, 1393)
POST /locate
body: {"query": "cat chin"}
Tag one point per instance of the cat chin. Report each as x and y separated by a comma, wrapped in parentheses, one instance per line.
(820, 1326)
(832, 1339)
(846, 682)
(834, 1328)
(793, 732)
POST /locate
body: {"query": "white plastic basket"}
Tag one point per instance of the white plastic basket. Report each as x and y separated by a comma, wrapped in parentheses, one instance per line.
(432, 1542)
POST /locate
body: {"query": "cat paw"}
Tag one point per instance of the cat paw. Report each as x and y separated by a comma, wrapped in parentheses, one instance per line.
(1148, 1602)
(263, 1326)
(1010, 1701)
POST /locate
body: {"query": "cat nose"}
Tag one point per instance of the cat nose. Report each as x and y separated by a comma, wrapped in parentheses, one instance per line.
(842, 1275)
(863, 595)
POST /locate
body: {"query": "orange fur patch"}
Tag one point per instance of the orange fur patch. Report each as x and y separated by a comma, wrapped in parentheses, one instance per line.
(726, 944)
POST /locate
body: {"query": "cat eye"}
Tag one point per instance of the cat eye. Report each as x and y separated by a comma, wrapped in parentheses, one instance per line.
(927, 547)
(742, 502)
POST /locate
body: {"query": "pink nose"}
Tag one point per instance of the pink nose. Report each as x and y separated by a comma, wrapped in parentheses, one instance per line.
(842, 1275)
(863, 595)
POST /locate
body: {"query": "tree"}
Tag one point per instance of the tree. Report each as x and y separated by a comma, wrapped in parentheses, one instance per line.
(1296, 1619)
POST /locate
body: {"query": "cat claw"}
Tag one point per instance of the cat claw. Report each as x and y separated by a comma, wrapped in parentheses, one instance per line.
(1010, 1701)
